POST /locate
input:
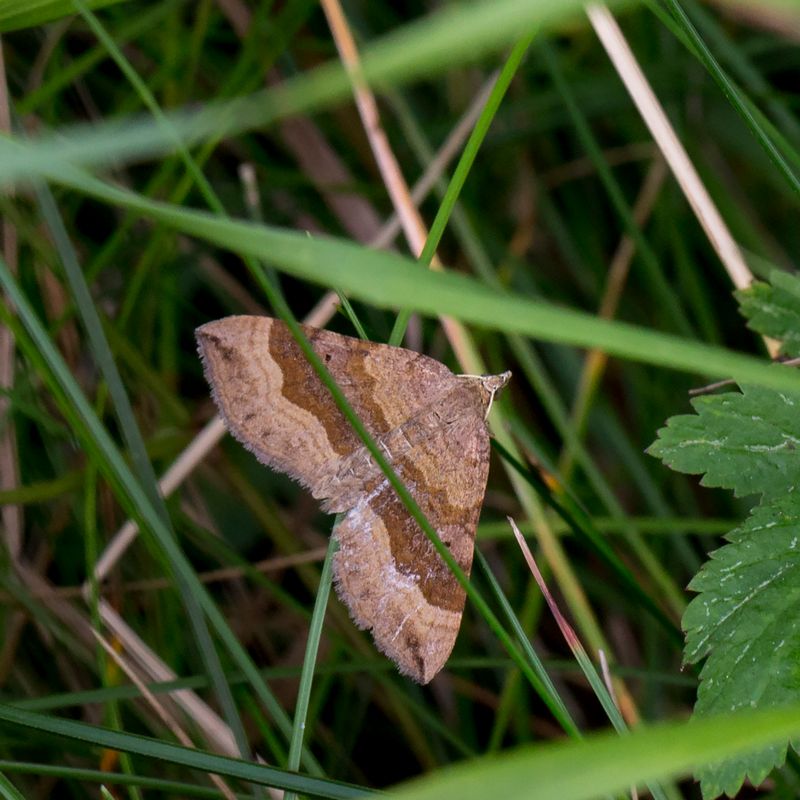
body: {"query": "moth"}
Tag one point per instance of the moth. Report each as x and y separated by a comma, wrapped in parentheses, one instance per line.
(430, 423)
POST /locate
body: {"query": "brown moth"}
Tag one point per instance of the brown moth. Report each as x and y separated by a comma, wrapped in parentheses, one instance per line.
(431, 425)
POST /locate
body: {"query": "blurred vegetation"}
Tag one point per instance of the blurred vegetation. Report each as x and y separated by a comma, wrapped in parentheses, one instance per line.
(102, 389)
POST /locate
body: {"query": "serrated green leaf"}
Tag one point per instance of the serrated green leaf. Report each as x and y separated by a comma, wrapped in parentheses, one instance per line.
(746, 619)
(773, 309)
(747, 442)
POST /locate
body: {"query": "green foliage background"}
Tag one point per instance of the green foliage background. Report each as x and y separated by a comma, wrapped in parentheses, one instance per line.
(126, 225)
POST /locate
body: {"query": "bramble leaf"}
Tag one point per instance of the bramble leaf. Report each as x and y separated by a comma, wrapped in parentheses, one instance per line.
(748, 442)
(746, 620)
(773, 309)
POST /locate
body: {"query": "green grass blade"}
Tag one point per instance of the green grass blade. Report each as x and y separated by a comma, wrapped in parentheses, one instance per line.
(607, 763)
(734, 95)
(175, 788)
(547, 685)
(7, 789)
(15, 14)
(88, 429)
(310, 661)
(461, 173)
(459, 33)
(135, 444)
(183, 756)
(388, 280)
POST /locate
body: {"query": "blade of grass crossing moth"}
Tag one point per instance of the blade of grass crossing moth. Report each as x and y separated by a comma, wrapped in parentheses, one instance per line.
(35, 343)
(135, 444)
(284, 312)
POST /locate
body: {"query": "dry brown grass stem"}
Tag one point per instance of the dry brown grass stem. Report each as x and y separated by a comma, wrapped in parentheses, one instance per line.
(161, 584)
(158, 708)
(215, 730)
(460, 341)
(411, 221)
(654, 116)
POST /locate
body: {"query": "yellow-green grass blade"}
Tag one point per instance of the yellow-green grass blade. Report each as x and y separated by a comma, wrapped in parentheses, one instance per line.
(606, 763)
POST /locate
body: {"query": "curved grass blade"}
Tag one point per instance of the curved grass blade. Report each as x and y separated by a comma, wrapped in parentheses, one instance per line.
(608, 763)
(458, 33)
(183, 756)
(389, 280)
